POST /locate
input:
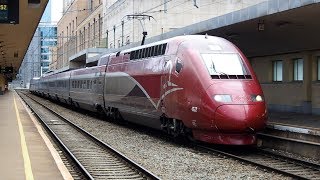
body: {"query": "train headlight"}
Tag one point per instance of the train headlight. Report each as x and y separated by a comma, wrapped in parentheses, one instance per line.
(222, 98)
(257, 98)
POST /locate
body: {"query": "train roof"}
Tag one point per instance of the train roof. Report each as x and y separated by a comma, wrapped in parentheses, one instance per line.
(176, 39)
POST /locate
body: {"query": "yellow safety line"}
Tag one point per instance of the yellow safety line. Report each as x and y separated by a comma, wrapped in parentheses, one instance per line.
(25, 153)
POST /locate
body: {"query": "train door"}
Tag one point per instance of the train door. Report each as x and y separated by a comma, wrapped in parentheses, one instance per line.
(164, 103)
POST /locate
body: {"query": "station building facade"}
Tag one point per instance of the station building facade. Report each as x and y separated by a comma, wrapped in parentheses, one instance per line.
(79, 28)
(290, 81)
(124, 21)
(111, 24)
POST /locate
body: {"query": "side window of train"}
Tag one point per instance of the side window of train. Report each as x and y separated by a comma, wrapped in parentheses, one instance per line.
(179, 66)
(163, 50)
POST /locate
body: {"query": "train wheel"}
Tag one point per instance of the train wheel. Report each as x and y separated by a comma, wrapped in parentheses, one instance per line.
(174, 127)
(100, 110)
(114, 114)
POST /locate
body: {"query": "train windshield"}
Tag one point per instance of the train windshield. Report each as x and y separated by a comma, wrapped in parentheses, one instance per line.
(224, 64)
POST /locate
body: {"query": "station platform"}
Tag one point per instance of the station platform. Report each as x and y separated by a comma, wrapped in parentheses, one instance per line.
(295, 122)
(26, 152)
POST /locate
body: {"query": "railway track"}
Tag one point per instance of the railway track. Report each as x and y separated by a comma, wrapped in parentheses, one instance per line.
(272, 161)
(94, 158)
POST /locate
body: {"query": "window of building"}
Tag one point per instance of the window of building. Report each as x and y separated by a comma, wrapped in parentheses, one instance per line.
(318, 69)
(84, 37)
(100, 28)
(89, 35)
(298, 69)
(94, 28)
(277, 71)
(128, 40)
(44, 50)
(44, 57)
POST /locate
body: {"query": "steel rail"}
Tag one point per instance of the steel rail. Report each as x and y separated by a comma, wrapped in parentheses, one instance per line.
(56, 138)
(147, 174)
(314, 166)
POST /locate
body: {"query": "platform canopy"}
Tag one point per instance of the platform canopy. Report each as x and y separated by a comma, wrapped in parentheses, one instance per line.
(15, 36)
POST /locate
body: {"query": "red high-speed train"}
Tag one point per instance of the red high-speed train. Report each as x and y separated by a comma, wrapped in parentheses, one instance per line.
(197, 85)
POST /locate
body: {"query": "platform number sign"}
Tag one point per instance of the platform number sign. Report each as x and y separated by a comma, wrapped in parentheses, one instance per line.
(9, 11)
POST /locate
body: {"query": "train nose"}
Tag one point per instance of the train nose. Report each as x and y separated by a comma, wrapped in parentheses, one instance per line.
(240, 118)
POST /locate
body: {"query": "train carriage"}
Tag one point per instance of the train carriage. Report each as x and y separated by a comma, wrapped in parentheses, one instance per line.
(62, 92)
(127, 75)
(86, 88)
(34, 85)
(51, 82)
(198, 86)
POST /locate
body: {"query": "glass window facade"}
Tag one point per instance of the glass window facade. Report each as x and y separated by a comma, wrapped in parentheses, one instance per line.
(277, 70)
(48, 39)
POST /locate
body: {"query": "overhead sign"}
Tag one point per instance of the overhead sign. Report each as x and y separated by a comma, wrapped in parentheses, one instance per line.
(9, 11)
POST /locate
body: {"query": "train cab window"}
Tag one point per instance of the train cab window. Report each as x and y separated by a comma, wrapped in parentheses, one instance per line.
(224, 64)
(179, 66)
(88, 84)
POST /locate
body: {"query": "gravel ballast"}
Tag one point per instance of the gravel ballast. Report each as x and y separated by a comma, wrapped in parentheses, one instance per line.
(164, 158)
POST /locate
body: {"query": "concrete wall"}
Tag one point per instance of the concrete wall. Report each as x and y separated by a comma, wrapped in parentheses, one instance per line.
(289, 95)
